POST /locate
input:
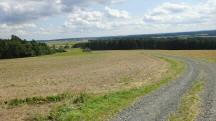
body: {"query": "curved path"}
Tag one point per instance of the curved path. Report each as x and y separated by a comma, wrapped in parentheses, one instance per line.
(158, 105)
(209, 97)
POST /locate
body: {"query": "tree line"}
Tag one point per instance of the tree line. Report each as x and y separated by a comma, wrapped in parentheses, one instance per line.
(172, 43)
(17, 48)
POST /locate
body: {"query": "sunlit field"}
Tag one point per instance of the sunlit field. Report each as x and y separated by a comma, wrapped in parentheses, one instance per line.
(74, 72)
(209, 55)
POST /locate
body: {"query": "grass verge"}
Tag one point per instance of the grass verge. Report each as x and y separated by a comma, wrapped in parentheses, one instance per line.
(74, 51)
(100, 107)
(190, 106)
(212, 60)
(36, 100)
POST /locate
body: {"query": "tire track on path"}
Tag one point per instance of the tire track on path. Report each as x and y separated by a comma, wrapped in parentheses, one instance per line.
(209, 96)
(157, 105)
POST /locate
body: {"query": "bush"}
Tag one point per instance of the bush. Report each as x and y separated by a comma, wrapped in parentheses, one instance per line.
(86, 50)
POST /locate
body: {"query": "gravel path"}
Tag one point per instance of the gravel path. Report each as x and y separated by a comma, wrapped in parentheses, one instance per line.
(209, 97)
(157, 105)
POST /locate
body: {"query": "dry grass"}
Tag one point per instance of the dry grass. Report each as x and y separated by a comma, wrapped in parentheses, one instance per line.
(44, 76)
(190, 105)
(201, 54)
(24, 112)
(98, 72)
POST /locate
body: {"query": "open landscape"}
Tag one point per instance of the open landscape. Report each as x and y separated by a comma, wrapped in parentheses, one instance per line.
(107, 60)
(75, 72)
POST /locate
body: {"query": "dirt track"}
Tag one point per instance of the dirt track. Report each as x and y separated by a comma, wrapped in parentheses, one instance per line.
(209, 97)
(159, 104)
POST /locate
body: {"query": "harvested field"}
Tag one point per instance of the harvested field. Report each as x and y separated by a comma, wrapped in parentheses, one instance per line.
(96, 72)
(201, 54)
(41, 76)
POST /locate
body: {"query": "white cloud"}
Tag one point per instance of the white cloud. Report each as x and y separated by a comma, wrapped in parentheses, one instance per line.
(117, 13)
(85, 20)
(117, 1)
(16, 14)
(20, 11)
(21, 29)
(181, 13)
(81, 19)
(53, 17)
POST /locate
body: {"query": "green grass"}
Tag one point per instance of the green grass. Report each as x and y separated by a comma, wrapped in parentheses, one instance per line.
(70, 52)
(212, 60)
(190, 105)
(60, 43)
(76, 52)
(100, 107)
(36, 100)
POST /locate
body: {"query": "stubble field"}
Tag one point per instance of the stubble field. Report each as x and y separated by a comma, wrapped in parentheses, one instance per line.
(209, 55)
(76, 72)
(73, 72)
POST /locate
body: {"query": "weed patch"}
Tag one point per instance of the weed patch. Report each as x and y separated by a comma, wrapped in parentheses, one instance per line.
(36, 100)
(190, 105)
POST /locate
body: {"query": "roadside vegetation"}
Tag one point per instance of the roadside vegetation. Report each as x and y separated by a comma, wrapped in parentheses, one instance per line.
(90, 107)
(36, 100)
(190, 106)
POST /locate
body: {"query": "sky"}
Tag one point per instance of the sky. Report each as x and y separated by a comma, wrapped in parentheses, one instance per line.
(55, 19)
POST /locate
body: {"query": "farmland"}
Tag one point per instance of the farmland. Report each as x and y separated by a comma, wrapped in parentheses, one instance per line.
(209, 55)
(74, 72)
(107, 60)
(36, 87)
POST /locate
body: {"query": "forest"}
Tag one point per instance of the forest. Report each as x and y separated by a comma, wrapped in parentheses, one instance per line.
(18, 48)
(168, 43)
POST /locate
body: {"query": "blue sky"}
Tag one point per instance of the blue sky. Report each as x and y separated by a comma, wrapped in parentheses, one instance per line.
(51, 19)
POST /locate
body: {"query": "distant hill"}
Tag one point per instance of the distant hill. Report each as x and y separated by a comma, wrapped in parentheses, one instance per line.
(207, 33)
(210, 33)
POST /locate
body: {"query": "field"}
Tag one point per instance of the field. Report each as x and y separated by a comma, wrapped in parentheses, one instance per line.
(209, 55)
(73, 72)
(32, 88)
(58, 44)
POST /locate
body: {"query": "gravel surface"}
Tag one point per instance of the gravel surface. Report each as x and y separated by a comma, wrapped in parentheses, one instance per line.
(209, 96)
(157, 105)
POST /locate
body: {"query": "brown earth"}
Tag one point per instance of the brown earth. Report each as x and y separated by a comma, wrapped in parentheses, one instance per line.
(201, 54)
(98, 72)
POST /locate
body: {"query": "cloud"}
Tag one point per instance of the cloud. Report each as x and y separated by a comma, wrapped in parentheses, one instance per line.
(21, 29)
(182, 13)
(39, 18)
(17, 15)
(20, 11)
(117, 1)
(85, 19)
(117, 13)
(81, 19)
